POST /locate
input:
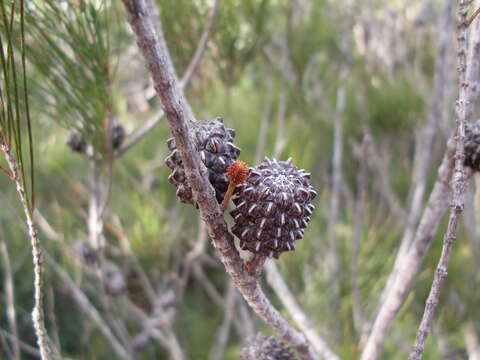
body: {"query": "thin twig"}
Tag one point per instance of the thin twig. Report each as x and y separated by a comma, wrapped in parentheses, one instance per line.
(95, 223)
(179, 117)
(380, 167)
(217, 351)
(276, 281)
(424, 140)
(459, 185)
(52, 319)
(37, 313)
(202, 45)
(10, 298)
(358, 316)
(432, 216)
(428, 225)
(166, 338)
(25, 347)
(472, 341)
(332, 261)
(207, 285)
(139, 133)
(267, 114)
(468, 21)
(87, 307)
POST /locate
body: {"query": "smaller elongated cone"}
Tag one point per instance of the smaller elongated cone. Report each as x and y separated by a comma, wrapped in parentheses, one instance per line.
(215, 144)
(261, 347)
(76, 142)
(472, 145)
(118, 135)
(272, 208)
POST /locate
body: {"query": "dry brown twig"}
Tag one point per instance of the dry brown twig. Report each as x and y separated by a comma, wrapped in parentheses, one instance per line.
(180, 117)
(459, 185)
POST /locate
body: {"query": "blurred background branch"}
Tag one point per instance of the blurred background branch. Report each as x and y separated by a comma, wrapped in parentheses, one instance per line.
(273, 70)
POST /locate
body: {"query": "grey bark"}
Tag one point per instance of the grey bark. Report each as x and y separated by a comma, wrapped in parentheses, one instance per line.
(180, 116)
(459, 185)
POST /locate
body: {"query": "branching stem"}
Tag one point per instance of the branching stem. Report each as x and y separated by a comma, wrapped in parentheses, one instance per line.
(459, 185)
(37, 313)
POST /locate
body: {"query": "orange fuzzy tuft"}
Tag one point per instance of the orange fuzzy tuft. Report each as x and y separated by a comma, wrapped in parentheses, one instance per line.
(238, 172)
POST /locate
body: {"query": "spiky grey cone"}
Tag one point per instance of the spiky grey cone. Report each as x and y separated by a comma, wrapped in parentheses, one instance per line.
(261, 347)
(215, 143)
(76, 142)
(118, 135)
(272, 208)
(472, 145)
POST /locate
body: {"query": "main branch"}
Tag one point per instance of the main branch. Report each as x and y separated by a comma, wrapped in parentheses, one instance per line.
(179, 118)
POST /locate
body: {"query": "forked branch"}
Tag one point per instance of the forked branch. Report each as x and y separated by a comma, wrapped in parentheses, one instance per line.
(459, 185)
(180, 117)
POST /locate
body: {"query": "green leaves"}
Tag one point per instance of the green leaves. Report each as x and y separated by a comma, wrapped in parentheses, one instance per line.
(15, 123)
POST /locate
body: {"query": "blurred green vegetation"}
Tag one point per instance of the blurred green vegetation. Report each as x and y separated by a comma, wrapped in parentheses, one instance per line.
(264, 55)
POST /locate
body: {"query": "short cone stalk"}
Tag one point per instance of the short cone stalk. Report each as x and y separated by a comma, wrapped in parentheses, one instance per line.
(215, 144)
(273, 208)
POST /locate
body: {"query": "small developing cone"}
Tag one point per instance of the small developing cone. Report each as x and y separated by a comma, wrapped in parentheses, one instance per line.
(237, 173)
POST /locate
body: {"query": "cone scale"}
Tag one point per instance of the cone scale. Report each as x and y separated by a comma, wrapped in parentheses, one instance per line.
(215, 144)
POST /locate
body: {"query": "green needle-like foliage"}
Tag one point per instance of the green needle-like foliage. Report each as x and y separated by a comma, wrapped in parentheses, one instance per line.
(15, 124)
(70, 50)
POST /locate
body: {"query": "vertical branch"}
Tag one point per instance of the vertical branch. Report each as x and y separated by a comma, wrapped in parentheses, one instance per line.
(10, 299)
(52, 319)
(473, 61)
(280, 140)
(472, 341)
(95, 224)
(267, 113)
(432, 216)
(380, 167)
(332, 262)
(424, 140)
(428, 225)
(218, 350)
(280, 136)
(37, 313)
(358, 317)
(459, 185)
